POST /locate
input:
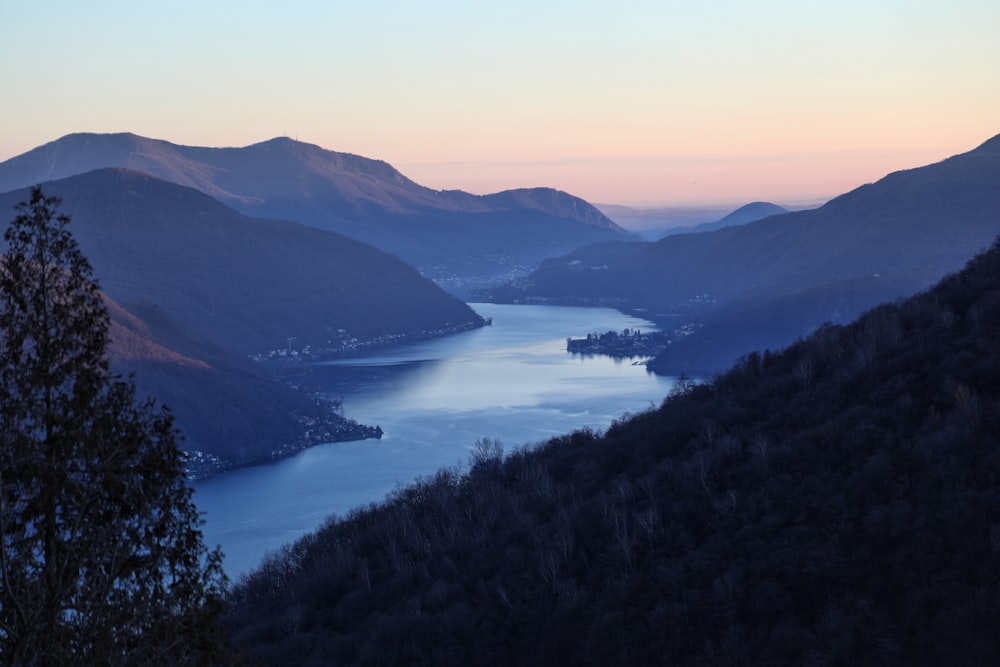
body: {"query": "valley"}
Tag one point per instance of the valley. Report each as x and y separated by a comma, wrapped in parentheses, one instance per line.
(521, 333)
(213, 301)
(512, 382)
(324, 383)
(212, 304)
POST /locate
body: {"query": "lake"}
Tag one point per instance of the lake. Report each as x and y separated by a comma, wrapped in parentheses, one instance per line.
(512, 381)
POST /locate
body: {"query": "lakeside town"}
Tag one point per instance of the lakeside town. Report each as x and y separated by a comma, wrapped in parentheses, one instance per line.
(347, 345)
(626, 344)
(329, 426)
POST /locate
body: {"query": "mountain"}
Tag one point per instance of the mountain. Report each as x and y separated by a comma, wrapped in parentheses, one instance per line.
(230, 413)
(765, 283)
(457, 238)
(835, 503)
(198, 288)
(751, 212)
(246, 284)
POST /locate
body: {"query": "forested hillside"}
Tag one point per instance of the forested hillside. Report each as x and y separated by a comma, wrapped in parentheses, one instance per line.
(834, 503)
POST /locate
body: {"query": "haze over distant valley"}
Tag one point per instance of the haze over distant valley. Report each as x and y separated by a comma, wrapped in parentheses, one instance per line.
(652, 224)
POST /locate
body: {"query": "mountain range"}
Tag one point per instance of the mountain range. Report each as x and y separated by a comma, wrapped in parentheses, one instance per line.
(247, 284)
(459, 239)
(765, 283)
(197, 288)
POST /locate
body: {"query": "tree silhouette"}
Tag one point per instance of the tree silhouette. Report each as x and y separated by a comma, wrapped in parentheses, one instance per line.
(101, 559)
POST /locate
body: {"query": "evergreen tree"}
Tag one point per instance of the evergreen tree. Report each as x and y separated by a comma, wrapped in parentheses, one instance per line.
(102, 559)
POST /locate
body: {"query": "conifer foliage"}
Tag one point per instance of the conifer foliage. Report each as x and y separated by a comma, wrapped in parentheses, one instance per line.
(101, 559)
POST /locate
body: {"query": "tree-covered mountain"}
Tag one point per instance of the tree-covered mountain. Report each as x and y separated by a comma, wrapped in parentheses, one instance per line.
(199, 288)
(765, 283)
(834, 503)
(457, 238)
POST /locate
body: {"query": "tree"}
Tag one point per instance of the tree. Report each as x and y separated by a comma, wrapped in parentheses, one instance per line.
(102, 558)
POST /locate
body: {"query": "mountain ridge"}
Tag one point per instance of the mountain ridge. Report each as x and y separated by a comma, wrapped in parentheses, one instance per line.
(452, 236)
(148, 236)
(747, 213)
(887, 239)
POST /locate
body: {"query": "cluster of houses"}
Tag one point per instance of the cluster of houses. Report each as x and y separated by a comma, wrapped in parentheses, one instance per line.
(347, 345)
(627, 344)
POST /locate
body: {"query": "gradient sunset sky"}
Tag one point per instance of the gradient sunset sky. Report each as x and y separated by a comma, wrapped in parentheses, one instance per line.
(626, 102)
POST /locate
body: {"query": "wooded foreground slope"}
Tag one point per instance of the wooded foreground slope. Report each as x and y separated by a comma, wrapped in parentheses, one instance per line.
(834, 503)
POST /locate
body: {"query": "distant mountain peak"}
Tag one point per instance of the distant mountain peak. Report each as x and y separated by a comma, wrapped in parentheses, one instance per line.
(990, 145)
(277, 168)
(752, 212)
(291, 146)
(745, 214)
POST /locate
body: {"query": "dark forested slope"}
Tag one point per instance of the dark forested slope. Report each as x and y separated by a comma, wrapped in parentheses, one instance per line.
(834, 503)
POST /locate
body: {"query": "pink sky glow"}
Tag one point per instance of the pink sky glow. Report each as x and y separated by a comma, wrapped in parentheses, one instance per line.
(648, 102)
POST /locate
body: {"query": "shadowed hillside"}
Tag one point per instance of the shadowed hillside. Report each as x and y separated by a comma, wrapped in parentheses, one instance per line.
(834, 503)
(246, 284)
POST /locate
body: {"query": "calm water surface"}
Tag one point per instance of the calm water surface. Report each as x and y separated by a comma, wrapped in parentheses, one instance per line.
(513, 381)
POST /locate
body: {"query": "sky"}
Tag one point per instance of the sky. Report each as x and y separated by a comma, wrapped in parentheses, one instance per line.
(640, 103)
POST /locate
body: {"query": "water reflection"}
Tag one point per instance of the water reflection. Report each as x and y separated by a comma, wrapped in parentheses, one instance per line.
(360, 377)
